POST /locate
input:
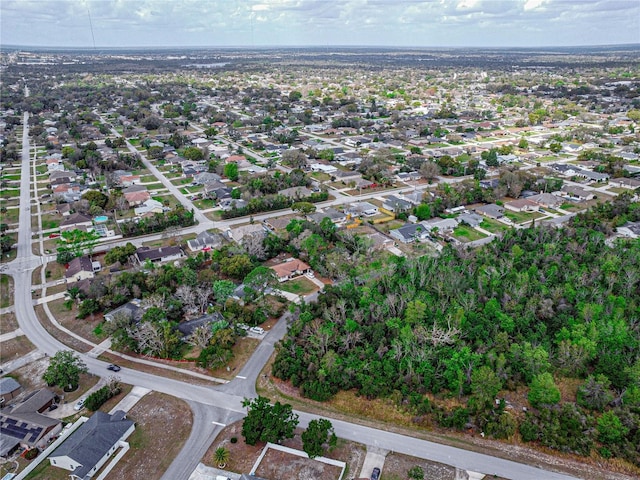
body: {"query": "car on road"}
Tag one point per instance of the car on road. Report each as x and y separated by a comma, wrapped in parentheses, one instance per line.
(79, 405)
(375, 474)
(258, 330)
(113, 367)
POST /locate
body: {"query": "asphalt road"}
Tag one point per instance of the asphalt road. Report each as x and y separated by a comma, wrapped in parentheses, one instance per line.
(223, 405)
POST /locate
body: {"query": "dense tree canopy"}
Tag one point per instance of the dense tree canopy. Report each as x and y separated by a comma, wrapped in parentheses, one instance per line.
(536, 305)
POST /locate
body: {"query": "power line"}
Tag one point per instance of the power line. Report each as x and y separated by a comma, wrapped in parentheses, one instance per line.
(91, 26)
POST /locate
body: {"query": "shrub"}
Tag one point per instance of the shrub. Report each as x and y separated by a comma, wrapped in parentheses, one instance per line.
(97, 398)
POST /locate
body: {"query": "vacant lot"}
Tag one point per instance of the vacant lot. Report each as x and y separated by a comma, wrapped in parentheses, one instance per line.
(275, 467)
(15, 348)
(6, 291)
(276, 464)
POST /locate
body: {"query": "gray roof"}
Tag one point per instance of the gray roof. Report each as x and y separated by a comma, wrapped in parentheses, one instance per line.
(152, 254)
(77, 265)
(89, 443)
(187, 328)
(8, 385)
(36, 401)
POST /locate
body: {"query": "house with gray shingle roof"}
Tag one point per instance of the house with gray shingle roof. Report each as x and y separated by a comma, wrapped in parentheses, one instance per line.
(90, 446)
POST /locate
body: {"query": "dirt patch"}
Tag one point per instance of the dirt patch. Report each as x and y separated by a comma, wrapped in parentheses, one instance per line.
(152, 448)
(14, 348)
(8, 323)
(276, 465)
(397, 466)
(83, 327)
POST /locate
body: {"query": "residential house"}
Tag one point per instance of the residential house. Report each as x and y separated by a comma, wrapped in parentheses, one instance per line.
(205, 241)
(630, 230)
(347, 176)
(149, 206)
(359, 209)
(129, 180)
(68, 192)
(575, 193)
(92, 444)
(491, 183)
(9, 389)
(409, 176)
(470, 218)
(76, 220)
(336, 216)
(130, 309)
(24, 425)
(628, 183)
(54, 163)
(410, 232)
(188, 327)
(441, 225)
(396, 204)
(379, 241)
(320, 167)
(158, 255)
(203, 178)
(61, 176)
(522, 205)
(277, 224)
(80, 268)
(296, 193)
(63, 209)
(290, 269)
(136, 195)
(492, 211)
(546, 200)
(231, 203)
(238, 234)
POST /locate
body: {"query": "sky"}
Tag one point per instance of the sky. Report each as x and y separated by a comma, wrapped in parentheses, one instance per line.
(258, 23)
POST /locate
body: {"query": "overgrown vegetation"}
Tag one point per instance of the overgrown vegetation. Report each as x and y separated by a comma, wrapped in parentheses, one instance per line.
(531, 308)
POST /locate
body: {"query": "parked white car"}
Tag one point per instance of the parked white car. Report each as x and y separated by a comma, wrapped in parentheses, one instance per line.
(79, 405)
(258, 330)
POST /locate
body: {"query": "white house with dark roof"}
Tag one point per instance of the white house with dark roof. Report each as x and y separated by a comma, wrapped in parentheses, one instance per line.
(158, 255)
(92, 444)
(79, 268)
(205, 241)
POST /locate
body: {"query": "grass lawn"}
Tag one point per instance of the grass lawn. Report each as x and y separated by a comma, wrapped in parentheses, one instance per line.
(493, 226)
(6, 291)
(521, 217)
(149, 178)
(467, 234)
(204, 204)
(9, 193)
(321, 177)
(50, 221)
(8, 323)
(15, 348)
(155, 186)
(299, 286)
(11, 216)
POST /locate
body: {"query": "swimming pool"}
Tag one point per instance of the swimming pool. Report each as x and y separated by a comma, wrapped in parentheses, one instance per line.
(101, 219)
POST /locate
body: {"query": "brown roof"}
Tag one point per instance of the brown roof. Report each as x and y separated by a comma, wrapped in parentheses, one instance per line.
(288, 268)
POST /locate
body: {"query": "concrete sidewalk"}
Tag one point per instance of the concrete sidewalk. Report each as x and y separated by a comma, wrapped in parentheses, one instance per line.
(8, 336)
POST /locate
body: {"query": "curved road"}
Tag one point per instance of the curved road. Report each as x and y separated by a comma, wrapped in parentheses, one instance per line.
(214, 407)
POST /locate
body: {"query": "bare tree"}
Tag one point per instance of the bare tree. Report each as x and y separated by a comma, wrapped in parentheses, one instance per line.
(200, 337)
(187, 295)
(429, 170)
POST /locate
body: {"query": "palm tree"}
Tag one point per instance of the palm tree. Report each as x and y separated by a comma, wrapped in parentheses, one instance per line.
(221, 457)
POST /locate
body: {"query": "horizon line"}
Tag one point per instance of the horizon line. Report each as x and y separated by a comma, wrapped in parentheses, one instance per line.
(248, 47)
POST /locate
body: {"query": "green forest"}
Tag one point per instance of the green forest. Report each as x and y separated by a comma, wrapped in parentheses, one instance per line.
(539, 307)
